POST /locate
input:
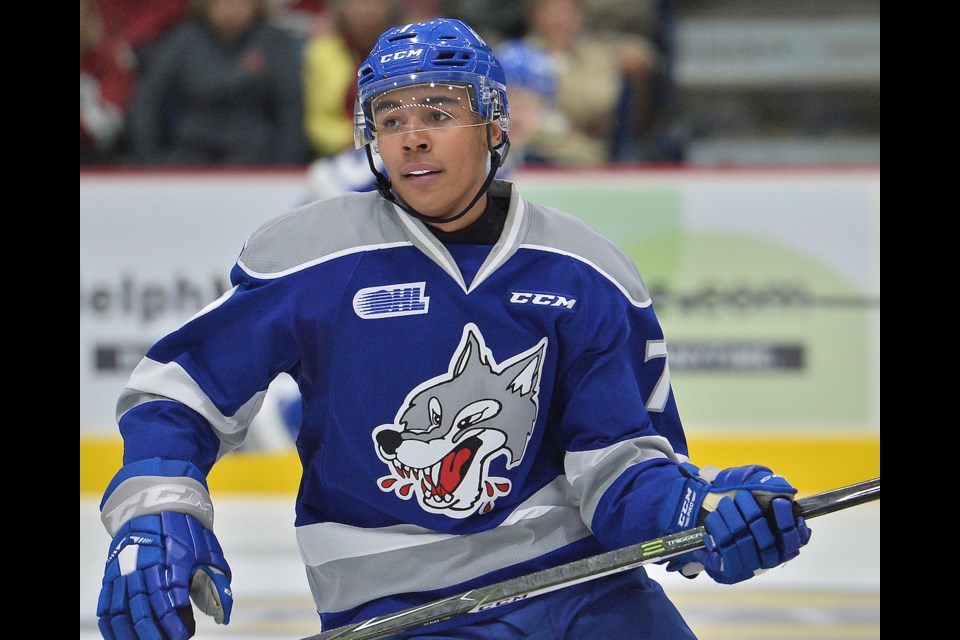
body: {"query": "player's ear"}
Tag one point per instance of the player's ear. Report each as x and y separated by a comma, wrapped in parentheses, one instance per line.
(496, 134)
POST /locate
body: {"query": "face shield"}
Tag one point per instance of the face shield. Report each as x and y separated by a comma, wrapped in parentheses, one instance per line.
(435, 106)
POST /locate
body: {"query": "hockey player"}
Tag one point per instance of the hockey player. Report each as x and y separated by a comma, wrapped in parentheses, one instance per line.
(485, 394)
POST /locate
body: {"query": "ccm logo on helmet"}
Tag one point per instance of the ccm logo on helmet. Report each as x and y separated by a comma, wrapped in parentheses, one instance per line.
(542, 299)
(400, 55)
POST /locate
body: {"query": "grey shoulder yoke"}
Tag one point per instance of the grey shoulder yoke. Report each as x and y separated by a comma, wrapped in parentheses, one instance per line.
(557, 231)
(319, 231)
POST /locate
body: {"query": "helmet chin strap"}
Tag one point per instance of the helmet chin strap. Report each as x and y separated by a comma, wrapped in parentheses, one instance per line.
(385, 187)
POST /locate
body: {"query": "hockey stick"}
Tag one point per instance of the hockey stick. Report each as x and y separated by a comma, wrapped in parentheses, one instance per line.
(578, 571)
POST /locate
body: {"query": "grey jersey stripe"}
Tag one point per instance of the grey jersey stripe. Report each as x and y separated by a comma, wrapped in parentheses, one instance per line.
(514, 228)
(592, 472)
(428, 244)
(342, 584)
(152, 381)
(346, 571)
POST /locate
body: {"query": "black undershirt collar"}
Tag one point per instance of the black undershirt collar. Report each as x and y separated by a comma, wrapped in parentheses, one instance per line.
(487, 228)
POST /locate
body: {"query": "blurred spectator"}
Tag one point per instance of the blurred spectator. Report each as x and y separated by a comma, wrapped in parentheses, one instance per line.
(412, 11)
(135, 26)
(603, 82)
(495, 20)
(106, 84)
(223, 88)
(301, 18)
(531, 92)
(330, 70)
(647, 110)
(641, 17)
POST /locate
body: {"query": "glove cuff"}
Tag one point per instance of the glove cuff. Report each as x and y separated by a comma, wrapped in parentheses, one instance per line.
(154, 486)
(681, 505)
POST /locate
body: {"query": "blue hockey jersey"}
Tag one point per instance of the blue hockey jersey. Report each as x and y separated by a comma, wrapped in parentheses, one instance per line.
(470, 413)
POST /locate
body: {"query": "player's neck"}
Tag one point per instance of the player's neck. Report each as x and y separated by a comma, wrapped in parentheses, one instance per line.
(485, 229)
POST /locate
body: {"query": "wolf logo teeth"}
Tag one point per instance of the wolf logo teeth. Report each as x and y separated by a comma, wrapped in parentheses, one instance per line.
(451, 427)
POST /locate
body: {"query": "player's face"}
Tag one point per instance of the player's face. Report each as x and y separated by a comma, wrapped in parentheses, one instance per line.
(434, 148)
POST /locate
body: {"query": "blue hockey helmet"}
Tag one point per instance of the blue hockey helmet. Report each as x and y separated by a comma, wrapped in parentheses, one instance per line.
(528, 67)
(439, 51)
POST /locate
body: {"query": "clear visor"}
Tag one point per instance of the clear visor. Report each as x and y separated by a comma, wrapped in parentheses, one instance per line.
(419, 107)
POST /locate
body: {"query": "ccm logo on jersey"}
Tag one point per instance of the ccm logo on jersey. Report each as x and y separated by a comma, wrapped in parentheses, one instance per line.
(400, 55)
(542, 299)
(391, 301)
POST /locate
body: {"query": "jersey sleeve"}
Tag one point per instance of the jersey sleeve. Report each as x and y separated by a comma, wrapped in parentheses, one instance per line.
(622, 430)
(194, 394)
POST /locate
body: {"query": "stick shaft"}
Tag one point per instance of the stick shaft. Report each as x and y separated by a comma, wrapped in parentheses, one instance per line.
(578, 571)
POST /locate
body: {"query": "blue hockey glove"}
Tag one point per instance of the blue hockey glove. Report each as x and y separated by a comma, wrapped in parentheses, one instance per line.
(157, 564)
(748, 514)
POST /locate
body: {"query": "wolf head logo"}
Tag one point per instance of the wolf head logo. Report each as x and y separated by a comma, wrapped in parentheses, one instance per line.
(451, 427)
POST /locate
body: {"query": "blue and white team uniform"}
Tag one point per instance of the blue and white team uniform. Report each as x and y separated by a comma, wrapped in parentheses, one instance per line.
(470, 413)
